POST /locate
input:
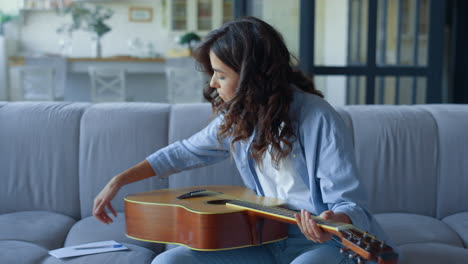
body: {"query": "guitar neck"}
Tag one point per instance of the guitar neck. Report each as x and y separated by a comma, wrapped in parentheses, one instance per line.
(364, 245)
(286, 215)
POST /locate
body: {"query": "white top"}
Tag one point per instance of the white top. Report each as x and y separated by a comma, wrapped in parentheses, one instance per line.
(284, 183)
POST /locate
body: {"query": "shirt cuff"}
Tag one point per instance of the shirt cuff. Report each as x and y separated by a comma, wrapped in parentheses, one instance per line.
(359, 217)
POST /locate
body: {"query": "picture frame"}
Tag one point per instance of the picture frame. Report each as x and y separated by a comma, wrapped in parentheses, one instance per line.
(140, 14)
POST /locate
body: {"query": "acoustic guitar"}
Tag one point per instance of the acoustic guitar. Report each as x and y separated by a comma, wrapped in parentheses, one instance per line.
(227, 217)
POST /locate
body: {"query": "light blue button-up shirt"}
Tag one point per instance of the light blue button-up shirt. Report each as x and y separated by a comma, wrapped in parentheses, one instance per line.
(322, 155)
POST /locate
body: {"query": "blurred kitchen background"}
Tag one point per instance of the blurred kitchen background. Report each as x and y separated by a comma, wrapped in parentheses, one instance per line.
(359, 51)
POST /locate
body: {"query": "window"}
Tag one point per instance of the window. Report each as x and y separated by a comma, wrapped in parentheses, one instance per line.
(380, 48)
(365, 51)
(282, 15)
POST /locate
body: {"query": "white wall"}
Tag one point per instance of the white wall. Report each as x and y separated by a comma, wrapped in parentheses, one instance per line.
(9, 6)
(38, 33)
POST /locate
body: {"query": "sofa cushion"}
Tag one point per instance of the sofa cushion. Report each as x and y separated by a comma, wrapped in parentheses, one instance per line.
(39, 157)
(135, 254)
(405, 228)
(21, 252)
(397, 157)
(452, 127)
(459, 223)
(134, 131)
(432, 253)
(90, 230)
(46, 229)
(186, 120)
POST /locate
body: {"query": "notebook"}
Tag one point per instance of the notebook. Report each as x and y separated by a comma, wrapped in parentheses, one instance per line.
(87, 249)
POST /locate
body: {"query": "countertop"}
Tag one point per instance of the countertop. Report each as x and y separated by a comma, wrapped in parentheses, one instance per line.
(20, 60)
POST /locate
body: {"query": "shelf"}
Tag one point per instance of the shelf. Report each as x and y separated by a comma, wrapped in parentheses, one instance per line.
(40, 5)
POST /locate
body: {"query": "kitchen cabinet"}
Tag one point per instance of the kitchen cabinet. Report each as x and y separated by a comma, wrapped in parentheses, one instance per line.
(199, 16)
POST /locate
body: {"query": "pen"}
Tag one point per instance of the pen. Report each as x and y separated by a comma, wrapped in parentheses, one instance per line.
(97, 247)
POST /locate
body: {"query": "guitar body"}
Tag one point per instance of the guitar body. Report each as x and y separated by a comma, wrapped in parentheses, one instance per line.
(218, 217)
(201, 223)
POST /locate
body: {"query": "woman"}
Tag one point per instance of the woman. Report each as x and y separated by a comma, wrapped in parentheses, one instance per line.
(287, 143)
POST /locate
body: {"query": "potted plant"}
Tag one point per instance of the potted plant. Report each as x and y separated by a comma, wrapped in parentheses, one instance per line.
(190, 39)
(89, 18)
(4, 18)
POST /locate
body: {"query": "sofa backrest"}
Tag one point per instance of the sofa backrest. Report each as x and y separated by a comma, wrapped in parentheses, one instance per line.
(452, 130)
(186, 120)
(39, 157)
(58, 156)
(114, 137)
(396, 152)
(397, 155)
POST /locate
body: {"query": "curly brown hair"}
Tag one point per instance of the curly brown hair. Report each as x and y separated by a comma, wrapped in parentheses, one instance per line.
(257, 52)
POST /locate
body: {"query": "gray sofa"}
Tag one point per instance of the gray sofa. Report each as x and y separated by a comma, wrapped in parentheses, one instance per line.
(56, 157)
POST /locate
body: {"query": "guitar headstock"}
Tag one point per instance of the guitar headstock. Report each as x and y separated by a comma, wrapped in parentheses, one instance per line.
(366, 247)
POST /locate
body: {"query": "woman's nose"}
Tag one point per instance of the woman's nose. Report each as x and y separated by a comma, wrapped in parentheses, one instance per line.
(213, 82)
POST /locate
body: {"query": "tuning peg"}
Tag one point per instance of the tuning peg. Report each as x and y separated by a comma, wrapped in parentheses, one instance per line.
(344, 250)
(359, 242)
(351, 256)
(382, 244)
(360, 260)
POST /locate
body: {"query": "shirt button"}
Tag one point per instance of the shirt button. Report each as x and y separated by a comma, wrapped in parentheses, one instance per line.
(293, 156)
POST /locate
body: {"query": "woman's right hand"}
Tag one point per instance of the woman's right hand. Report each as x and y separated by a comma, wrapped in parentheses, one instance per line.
(138, 172)
(103, 201)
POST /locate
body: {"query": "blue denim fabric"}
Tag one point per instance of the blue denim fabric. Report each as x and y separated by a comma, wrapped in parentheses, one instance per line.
(296, 249)
(322, 155)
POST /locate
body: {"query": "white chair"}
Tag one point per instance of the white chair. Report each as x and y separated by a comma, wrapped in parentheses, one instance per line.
(184, 85)
(107, 84)
(37, 83)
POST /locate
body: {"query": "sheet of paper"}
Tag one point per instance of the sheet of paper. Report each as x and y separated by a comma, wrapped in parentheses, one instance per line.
(86, 249)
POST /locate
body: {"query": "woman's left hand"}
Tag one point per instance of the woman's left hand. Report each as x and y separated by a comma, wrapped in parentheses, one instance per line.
(312, 231)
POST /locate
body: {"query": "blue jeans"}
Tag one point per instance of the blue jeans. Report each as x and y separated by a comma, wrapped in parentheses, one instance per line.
(296, 250)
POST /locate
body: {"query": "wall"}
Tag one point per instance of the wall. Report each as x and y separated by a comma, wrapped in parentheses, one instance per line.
(9, 6)
(38, 32)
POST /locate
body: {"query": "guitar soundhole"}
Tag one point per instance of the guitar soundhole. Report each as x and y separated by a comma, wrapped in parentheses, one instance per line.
(218, 202)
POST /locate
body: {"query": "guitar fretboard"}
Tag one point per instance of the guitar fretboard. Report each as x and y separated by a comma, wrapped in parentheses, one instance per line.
(283, 213)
